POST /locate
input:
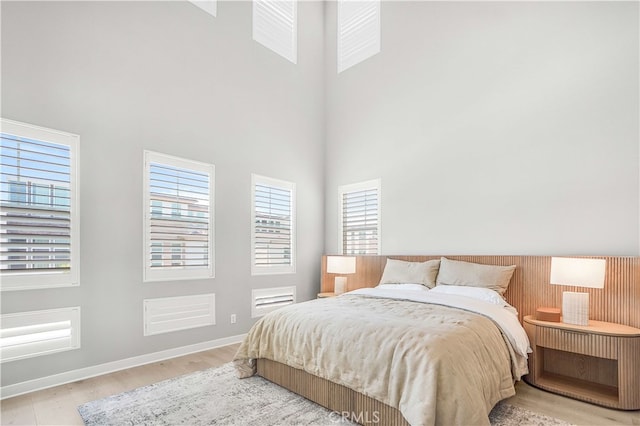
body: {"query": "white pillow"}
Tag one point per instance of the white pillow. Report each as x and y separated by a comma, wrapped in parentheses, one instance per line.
(400, 287)
(455, 272)
(479, 293)
(401, 272)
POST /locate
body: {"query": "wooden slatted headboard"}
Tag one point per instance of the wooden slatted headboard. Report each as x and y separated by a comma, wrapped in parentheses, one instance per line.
(529, 289)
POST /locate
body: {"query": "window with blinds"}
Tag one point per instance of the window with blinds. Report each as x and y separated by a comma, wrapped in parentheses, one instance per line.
(266, 300)
(36, 333)
(209, 6)
(178, 221)
(275, 26)
(360, 218)
(272, 226)
(38, 207)
(358, 31)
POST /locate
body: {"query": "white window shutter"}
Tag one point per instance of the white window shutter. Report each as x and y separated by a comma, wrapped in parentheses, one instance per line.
(272, 226)
(360, 218)
(38, 207)
(178, 208)
(267, 300)
(275, 26)
(36, 333)
(209, 6)
(358, 31)
(167, 314)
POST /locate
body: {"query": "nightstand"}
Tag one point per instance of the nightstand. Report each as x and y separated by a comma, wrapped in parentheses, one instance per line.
(597, 363)
(326, 294)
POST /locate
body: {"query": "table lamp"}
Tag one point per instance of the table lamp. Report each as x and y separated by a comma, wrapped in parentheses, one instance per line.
(579, 273)
(341, 265)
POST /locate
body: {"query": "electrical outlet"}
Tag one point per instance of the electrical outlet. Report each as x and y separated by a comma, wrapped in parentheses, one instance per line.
(233, 318)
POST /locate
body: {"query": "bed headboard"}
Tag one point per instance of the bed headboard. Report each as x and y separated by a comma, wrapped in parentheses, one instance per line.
(529, 289)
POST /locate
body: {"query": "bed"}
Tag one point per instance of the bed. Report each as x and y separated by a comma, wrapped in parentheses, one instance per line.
(406, 352)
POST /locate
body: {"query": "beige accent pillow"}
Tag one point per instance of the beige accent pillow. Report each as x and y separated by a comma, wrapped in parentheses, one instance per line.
(401, 272)
(455, 272)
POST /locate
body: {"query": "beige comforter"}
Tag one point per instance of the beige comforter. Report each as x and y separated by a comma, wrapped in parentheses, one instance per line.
(436, 364)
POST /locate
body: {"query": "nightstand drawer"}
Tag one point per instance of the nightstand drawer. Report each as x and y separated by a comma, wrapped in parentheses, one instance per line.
(577, 342)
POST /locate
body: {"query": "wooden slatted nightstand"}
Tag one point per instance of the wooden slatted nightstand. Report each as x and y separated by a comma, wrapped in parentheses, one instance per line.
(597, 363)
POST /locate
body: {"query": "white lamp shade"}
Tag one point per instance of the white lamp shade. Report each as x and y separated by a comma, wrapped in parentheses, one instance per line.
(578, 272)
(341, 264)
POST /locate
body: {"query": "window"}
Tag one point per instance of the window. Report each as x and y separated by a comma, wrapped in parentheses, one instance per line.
(269, 299)
(178, 218)
(29, 334)
(275, 25)
(358, 31)
(38, 207)
(359, 229)
(167, 314)
(272, 226)
(209, 6)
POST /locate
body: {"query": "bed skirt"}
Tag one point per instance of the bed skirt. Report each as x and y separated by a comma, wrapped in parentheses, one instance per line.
(344, 401)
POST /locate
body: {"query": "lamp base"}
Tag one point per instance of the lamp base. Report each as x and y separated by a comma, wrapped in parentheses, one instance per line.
(340, 285)
(575, 308)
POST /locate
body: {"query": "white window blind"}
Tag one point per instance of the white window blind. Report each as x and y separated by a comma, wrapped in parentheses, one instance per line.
(266, 300)
(209, 6)
(275, 26)
(38, 207)
(167, 314)
(360, 218)
(29, 334)
(272, 226)
(178, 207)
(358, 31)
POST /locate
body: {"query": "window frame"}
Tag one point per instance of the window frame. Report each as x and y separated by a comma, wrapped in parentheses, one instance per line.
(41, 280)
(374, 184)
(280, 184)
(172, 273)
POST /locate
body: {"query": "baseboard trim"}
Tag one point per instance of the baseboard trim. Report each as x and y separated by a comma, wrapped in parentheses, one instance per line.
(110, 367)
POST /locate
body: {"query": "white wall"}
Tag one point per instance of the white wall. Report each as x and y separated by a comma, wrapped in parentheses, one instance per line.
(167, 77)
(496, 127)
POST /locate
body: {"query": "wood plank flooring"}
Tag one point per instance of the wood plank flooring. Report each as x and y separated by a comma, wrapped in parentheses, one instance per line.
(58, 406)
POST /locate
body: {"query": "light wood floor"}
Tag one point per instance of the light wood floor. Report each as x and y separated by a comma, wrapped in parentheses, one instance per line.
(58, 406)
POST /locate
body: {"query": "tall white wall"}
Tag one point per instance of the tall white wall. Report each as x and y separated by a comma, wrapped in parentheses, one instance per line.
(496, 127)
(168, 77)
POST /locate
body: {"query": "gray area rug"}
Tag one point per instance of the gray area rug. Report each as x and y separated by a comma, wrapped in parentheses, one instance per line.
(217, 396)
